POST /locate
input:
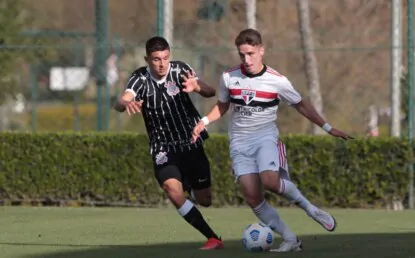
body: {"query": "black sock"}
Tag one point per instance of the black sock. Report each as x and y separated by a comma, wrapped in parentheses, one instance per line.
(193, 216)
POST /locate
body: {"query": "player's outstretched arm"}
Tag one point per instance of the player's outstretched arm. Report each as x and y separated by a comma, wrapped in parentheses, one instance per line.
(218, 110)
(124, 98)
(205, 90)
(193, 84)
(305, 108)
(126, 103)
(127, 100)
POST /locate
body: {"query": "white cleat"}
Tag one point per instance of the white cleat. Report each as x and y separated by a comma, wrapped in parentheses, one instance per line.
(323, 218)
(289, 246)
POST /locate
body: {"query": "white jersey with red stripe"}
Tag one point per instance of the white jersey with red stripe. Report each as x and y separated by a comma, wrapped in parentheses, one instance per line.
(255, 100)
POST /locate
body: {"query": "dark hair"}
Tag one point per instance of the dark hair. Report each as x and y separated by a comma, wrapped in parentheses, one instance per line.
(156, 44)
(248, 36)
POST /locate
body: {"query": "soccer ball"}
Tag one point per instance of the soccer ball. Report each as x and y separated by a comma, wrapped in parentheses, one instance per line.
(258, 237)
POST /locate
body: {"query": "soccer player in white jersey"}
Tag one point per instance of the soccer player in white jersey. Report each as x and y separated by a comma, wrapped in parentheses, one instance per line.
(255, 90)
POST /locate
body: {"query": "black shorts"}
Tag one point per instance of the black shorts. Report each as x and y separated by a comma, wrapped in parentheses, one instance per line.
(191, 167)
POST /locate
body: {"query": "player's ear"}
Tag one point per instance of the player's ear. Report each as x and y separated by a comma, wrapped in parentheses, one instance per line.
(146, 59)
(262, 50)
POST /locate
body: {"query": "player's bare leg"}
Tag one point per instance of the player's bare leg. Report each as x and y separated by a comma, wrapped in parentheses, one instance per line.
(284, 187)
(190, 213)
(203, 197)
(251, 188)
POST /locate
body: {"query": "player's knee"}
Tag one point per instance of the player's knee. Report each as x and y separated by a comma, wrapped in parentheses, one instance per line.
(253, 201)
(203, 197)
(252, 189)
(175, 195)
(204, 201)
(174, 191)
(253, 198)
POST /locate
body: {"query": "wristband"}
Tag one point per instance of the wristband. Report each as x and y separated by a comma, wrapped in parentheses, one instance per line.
(205, 120)
(327, 127)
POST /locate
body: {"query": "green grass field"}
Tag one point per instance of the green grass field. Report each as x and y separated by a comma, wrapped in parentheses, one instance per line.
(128, 232)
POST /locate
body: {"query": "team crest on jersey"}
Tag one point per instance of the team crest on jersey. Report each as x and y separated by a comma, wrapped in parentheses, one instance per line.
(248, 95)
(161, 158)
(172, 88)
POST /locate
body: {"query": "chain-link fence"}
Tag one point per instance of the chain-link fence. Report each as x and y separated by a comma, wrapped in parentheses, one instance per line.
(57, 75)
(64, 62)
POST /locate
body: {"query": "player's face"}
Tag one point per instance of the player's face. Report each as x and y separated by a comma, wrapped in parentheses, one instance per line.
(251, 57)
(158, 62)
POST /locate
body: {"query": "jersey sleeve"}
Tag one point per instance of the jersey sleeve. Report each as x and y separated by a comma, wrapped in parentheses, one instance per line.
(223, 90)
(135, 85)
(287, 93)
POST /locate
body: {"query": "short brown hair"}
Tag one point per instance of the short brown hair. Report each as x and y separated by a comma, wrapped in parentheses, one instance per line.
(250, 37)
(155, 44)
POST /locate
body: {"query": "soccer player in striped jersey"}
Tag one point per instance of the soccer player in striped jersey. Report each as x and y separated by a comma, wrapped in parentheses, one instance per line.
(160, 91)
(258, 157)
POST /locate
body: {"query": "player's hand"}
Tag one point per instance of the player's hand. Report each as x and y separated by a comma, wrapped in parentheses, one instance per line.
(133, 107)
(337, 133)
(190, 83)
(197, 130)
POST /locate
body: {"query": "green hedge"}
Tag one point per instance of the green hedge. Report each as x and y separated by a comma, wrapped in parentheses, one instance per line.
(116, 168)
(60, 118)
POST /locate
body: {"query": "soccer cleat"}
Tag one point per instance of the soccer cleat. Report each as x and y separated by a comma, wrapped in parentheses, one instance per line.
(213, 243)
(323, 218)
(289, 246)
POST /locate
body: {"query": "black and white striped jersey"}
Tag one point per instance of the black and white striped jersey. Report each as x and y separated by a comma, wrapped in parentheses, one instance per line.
(168, 112)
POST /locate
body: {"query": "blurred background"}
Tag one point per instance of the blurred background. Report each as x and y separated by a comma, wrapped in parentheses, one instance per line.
(64, 62)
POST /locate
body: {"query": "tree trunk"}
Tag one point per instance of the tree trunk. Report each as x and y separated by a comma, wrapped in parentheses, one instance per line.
(251, 13)
(310, 61)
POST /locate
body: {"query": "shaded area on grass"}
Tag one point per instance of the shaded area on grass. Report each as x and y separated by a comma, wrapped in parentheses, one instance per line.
(335, 245)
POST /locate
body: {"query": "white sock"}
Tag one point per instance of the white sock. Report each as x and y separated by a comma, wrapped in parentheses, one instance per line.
(269, 216)
(186, 207)
(292, 194)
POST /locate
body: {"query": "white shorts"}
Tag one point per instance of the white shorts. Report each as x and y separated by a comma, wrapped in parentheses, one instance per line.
(260, 156)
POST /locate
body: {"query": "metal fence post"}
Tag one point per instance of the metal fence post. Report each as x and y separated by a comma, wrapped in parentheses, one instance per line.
(160, 17)
(34, 95)
(410, 52)
(100, 58)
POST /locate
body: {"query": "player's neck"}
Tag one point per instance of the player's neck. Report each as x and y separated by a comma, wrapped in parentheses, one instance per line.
(158, 78)
(261, 69)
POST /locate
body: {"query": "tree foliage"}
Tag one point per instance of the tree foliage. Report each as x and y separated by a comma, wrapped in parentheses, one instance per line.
(12, 20)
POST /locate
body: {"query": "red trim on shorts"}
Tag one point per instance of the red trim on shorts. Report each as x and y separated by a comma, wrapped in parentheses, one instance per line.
(282, 154)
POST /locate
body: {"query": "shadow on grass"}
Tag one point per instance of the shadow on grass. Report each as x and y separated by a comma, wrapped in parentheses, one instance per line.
(331, 246)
